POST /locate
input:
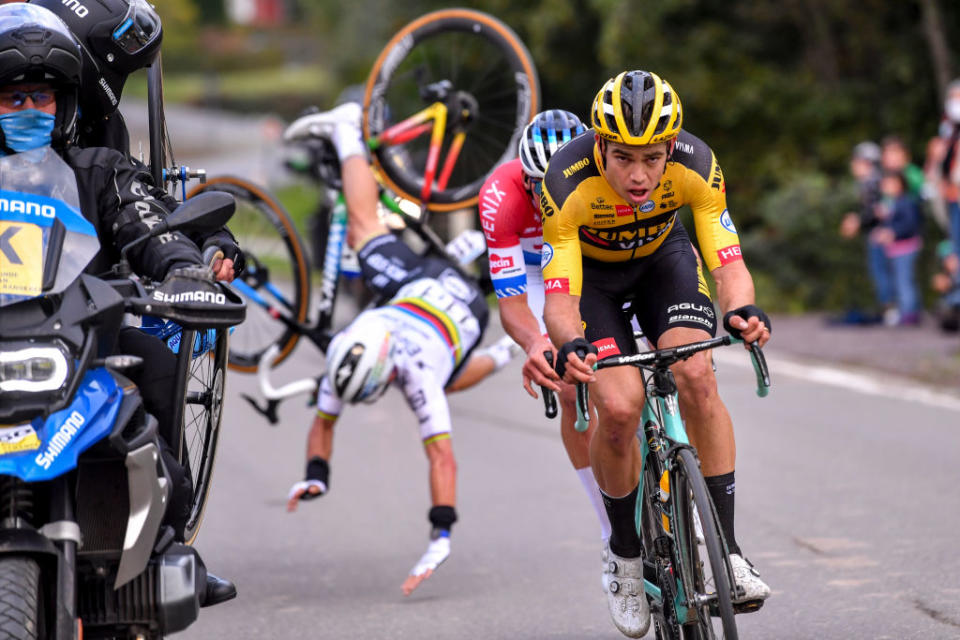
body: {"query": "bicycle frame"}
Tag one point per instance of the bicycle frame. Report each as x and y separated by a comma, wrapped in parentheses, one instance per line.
(661, 428)
(415, 126)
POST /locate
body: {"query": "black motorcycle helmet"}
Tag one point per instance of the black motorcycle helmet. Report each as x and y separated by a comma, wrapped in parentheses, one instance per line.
(36, 46)
(117, 37)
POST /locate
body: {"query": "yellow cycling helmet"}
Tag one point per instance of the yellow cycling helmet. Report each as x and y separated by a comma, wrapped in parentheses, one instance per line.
(635, 108)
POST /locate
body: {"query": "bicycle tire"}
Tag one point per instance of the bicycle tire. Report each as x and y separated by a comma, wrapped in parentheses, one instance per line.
(262, 226)
(203, 414)
(688, 489)
(664, 617)
(466, 28)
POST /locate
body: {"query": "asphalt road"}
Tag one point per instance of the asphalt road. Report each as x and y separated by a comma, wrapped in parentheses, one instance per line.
(846, 502)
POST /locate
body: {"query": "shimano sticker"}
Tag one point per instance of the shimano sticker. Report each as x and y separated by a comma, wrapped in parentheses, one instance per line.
(727, 222)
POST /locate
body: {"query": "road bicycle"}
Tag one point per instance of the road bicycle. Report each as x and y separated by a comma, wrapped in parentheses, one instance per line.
(688, 579)
(454, 83)
(201, 370)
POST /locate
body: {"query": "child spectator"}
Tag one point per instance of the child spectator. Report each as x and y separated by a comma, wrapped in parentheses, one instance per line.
(900, 234)
(865, 168)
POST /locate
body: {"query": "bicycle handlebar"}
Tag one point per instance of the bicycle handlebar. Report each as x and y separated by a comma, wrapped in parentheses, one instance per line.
(663, 358)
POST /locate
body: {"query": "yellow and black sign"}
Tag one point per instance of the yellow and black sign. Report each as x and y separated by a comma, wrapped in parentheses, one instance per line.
(21, 258)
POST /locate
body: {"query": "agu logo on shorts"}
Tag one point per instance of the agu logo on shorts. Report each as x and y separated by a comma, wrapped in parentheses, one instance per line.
(547, 255)
(727, 222)
(648, 206)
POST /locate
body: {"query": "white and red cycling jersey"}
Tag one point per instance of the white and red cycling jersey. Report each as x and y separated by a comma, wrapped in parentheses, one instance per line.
(511, 223)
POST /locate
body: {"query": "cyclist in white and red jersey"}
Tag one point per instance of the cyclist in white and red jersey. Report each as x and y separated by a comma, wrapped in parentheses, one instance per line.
(510, 216)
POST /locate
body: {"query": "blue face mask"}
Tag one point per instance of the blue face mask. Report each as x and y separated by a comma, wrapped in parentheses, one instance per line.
(27, 129)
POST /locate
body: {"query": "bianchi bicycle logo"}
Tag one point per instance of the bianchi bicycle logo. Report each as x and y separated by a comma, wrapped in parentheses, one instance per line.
(191, 296)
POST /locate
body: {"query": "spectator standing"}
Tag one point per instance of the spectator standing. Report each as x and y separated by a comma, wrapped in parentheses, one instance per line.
(946, 282)
(895, 157)
(865, 168)
(943, 160)
(900, 233)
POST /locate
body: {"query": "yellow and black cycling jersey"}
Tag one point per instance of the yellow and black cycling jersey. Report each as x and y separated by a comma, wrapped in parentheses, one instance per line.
(584, 217)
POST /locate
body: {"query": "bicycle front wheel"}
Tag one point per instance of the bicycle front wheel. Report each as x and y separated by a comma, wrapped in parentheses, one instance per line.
(202, 415)
(277, 275)
(701, 552)
(473, 59)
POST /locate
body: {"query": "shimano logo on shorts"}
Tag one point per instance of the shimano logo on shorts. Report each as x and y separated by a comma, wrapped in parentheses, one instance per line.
(60, 440)
(28, 208)
(212, 297)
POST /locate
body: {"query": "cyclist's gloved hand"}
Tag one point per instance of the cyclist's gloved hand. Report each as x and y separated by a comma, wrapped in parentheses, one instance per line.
(579, 346)
(231, 251)
(746, 312)
(316, 483)
(437, 551)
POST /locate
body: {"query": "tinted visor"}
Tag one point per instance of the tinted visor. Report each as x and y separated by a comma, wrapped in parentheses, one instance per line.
(139, 27)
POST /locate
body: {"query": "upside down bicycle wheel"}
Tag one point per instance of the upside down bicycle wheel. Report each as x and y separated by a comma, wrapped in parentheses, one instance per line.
(706, 576)
(479, 56)
(277, 270)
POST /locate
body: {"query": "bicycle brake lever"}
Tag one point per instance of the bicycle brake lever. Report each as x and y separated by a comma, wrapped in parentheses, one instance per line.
(549, 397)
(760, 368)
(268, 410)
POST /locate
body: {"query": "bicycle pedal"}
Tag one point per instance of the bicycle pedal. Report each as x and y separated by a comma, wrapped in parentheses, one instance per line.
(748, 607)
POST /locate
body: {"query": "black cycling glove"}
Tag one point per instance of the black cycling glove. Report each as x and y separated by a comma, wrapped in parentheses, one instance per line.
(225, 241)
(580, 346)
(746, 312)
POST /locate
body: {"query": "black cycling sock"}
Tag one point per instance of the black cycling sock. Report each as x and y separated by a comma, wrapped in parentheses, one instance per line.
(722, 490)
(624, 540)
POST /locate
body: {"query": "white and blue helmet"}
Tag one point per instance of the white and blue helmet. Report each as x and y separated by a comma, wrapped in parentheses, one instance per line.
(547, 132)
(360, 360)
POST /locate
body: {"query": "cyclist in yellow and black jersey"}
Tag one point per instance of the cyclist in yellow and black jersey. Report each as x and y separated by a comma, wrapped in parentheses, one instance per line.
(612, 237)
(586, 217)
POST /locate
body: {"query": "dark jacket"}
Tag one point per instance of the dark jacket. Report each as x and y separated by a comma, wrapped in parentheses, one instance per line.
(906, 218)
(116, 197)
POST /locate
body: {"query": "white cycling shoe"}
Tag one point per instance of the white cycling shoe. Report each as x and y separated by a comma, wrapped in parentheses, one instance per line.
(626, 599)
(747, 578)
(323, 125)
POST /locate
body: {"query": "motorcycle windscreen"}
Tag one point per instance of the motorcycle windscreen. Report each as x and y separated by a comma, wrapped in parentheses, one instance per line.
(45, 242)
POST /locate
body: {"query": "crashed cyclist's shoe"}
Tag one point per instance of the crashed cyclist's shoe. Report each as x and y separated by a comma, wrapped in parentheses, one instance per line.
(752, 591)
(326, 123)
(626, 599)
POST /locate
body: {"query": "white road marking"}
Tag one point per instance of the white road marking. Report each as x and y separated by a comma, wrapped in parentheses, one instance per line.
(870, 383)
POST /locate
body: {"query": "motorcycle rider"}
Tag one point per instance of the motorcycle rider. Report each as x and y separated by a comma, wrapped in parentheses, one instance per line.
(107, 62)
(40, 71)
